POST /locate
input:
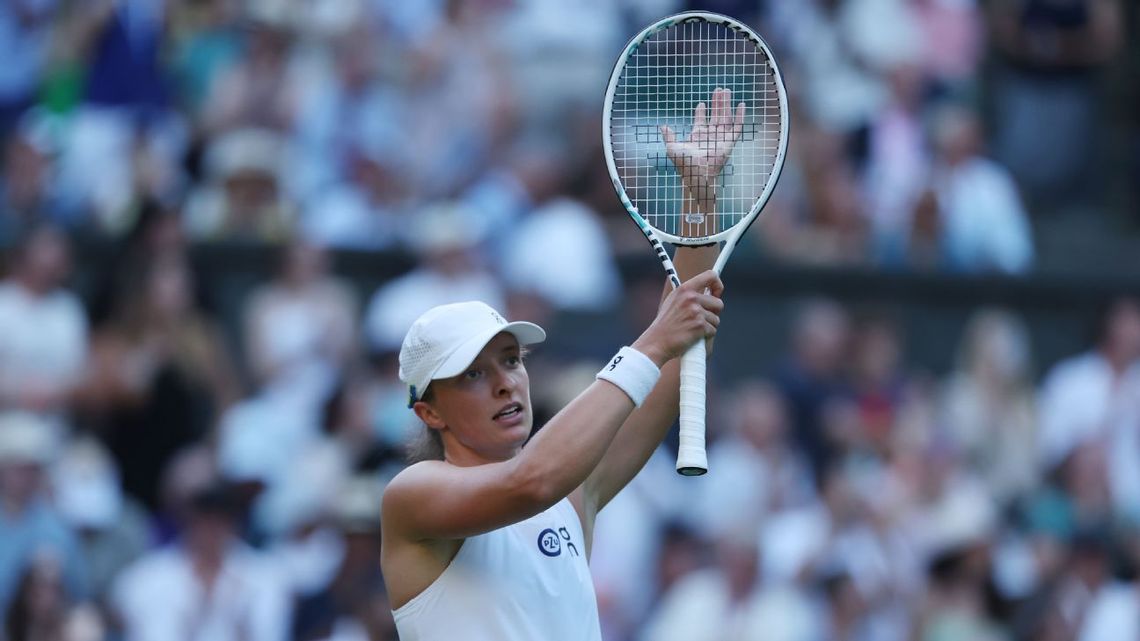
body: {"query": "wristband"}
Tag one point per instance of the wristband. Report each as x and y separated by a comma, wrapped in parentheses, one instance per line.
(633, 372)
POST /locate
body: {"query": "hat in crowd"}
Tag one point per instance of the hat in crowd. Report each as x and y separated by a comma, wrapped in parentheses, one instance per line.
(446, 226)
(26, 438)
(446, 339)
(245, 151)
(87, 490)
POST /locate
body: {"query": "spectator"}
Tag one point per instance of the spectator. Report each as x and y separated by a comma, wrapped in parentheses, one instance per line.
(827, 224)
(300, 329)
(953, 34)
(841, 46)
(759, 471)
(898, 164)
(160, 374)
(43, 611)
(452, 271)
(1113, 615)
(848, 616)
(209, 586)
(28, 522)
(369, 211)
(125, 139)
(728, 600)
(28, 194)
(642, 533)
(113, 530)
(351, 123)
(1094, 398)
(878, 384)
(25, 42)
(1052, 53)
(812, 378)
(43, 328)
(258, 91)
(986, 226)
(988, 405)
(539, 256)
(925, 250)
(206, 39)
(244, 198)
(354, 605)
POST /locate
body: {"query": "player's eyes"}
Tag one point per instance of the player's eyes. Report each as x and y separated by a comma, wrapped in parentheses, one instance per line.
(514, 361)
(471, 374)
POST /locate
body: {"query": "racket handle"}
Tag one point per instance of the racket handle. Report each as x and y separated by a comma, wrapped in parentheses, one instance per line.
(691, 459)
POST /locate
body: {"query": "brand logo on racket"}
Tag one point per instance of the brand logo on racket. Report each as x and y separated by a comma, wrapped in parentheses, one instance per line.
(617, 359)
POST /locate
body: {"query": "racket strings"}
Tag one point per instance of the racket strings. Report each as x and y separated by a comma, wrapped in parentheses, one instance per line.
(714, 159)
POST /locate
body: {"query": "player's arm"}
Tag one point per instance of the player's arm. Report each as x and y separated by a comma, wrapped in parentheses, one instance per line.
(699, 162)
(437, 500)
(648, 425)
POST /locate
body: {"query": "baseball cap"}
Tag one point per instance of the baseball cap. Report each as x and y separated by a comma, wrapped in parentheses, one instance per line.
(447, 338)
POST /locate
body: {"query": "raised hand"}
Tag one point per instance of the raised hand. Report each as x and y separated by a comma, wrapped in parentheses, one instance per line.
(688, 314)
(701, 158)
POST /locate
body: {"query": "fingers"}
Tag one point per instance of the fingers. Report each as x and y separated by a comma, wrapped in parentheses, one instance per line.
(699, 116)
(667, 134)
(707, 279)
(717, 287)
(720, 100)
(738, 121)
(708, 310)
(711, 303)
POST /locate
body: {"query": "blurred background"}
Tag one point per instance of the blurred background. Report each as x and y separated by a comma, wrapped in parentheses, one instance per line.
(219, 217)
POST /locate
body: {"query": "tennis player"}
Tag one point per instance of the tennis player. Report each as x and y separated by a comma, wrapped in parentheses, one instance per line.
(491, 543)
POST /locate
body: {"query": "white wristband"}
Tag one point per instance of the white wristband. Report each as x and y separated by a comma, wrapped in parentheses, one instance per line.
(633, 372)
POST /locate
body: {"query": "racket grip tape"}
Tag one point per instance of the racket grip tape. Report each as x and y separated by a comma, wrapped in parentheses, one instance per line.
(691, 457)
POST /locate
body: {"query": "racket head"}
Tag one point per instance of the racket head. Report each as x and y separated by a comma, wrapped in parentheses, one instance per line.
(659, 79)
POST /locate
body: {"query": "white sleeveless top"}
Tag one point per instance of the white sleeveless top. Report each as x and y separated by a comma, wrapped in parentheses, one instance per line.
(523, 582)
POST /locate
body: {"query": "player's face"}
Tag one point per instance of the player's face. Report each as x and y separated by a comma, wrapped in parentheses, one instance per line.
(486, 409)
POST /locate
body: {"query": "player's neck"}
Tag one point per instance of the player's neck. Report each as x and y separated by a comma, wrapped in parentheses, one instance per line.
(461, 455)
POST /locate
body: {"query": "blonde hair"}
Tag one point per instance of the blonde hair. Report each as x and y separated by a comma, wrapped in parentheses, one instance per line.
(426, 444)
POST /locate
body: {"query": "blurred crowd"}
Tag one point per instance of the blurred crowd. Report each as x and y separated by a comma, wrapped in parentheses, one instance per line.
(166, 476)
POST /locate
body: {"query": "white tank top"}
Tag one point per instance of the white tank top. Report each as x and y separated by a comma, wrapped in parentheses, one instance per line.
(522, 582)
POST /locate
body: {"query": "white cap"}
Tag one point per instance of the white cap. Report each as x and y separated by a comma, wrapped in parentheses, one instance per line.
(26, 437)
(446, 339)
(87, 490)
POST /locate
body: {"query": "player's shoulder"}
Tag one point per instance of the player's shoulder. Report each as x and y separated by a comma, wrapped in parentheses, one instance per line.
(413, 479)
(410, 489)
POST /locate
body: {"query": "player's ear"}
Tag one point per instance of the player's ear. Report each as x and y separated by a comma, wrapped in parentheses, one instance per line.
(429, 415)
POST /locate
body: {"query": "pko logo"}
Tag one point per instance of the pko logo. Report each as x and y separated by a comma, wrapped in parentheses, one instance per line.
(550, 542)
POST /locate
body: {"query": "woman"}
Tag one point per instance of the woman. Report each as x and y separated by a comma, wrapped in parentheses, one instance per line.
(159, 374)
(491, 540)
(42, 609)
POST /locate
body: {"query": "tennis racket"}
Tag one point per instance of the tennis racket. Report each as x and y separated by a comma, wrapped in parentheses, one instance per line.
(695, 128)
